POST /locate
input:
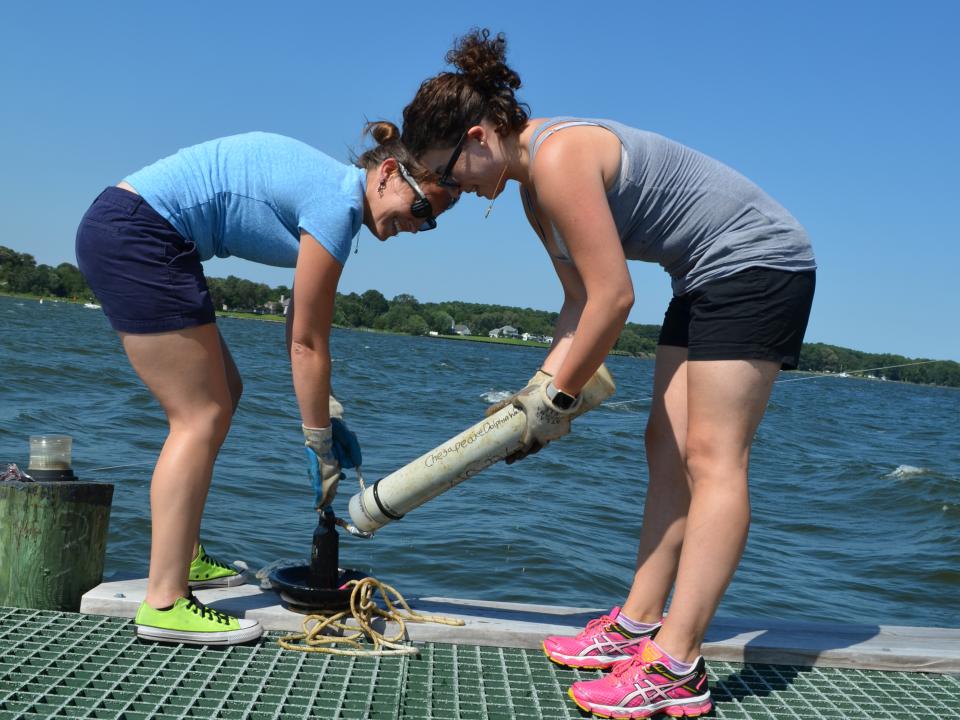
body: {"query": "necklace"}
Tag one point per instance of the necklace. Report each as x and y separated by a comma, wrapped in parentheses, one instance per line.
(495, 194)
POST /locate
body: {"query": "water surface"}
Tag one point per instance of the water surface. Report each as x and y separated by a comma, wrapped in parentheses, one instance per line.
(855, 483)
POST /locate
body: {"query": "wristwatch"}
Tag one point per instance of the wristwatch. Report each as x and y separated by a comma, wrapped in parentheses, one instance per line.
(559, 397)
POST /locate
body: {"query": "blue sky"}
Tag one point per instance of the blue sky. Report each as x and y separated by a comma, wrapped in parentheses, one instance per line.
(847, 113)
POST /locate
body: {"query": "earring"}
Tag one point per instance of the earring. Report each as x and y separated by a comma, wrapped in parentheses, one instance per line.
(380, 187)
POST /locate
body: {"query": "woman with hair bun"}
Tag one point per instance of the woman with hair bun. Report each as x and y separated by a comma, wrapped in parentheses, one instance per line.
(599, 193)
(265, 198)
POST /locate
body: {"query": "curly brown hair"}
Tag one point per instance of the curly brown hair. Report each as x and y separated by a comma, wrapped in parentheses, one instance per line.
(447, 104)
(389, 144)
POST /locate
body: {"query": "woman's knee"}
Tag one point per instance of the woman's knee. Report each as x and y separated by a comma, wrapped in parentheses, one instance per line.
(218, 418)
(706, 460)
(208, 423)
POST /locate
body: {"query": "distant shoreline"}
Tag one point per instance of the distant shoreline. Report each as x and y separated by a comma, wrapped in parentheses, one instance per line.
(513, 342)
(280, 318)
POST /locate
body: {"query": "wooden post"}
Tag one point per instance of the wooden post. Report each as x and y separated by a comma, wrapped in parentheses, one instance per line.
(53, 538)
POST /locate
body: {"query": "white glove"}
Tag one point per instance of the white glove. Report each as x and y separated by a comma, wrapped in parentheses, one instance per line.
(544, 420)
(336, 408)
(322, 466)
(539, 378)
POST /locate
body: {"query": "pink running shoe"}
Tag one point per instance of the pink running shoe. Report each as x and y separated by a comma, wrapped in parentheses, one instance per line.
(599, 645)
(645, 686)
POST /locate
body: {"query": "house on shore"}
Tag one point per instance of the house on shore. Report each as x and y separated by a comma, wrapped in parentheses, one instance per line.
(507, 331)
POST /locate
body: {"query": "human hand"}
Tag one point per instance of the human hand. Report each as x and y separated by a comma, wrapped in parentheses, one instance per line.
(544, 420)
(323, 468)
(346, 446)
(539, 378)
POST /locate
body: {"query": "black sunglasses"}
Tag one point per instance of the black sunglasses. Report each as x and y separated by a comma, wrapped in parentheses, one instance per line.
(445, 179)
(421, 207)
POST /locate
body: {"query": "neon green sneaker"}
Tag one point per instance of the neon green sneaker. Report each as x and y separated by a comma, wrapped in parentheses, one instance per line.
(207, 572)
(190, 621)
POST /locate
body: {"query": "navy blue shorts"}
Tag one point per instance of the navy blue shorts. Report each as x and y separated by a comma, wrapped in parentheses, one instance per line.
(147, 276)
(755, 314)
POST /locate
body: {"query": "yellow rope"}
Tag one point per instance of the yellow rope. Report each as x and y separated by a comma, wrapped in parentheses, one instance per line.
(363, 609)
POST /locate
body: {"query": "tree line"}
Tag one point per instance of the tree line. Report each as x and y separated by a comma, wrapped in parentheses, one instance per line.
(406, 314)
(819, 357)
(19, 273)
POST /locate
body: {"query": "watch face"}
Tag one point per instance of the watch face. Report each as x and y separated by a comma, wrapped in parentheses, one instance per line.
(562, 400)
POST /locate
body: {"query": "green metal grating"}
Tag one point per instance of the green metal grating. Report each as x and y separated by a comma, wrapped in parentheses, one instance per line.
(62, 665)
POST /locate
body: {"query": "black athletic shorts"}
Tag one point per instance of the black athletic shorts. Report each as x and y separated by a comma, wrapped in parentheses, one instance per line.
(755, 314)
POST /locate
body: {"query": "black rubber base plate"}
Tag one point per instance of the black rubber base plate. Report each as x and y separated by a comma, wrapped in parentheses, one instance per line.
(293, 585)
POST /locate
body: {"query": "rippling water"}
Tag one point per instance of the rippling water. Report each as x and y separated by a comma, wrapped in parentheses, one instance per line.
(855, 483)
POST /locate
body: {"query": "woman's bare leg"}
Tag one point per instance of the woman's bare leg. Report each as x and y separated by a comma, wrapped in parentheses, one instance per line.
(726, 400)
(234, 381)
(186, 372)
(235, 385)
(668, 496)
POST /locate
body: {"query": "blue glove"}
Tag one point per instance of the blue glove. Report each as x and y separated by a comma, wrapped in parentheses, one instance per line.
(346, 447)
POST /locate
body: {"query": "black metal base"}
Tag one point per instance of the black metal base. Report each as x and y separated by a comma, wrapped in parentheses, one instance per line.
(293, 585)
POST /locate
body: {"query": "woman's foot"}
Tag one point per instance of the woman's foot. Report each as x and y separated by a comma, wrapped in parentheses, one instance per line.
(191, 622)
(647, 684)
(601, 644)
(207, 572)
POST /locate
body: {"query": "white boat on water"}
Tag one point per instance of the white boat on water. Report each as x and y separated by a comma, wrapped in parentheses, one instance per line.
(91, 306)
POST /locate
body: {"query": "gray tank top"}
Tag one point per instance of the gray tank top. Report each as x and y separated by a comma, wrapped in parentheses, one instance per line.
(696, 217)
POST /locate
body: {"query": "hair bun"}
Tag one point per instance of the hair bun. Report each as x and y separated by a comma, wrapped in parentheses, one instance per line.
(483, 60)
(388, 145)
(382, 131)
(480, 88)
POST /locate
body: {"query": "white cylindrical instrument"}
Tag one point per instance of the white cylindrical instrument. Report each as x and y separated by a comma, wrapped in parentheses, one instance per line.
(461, 457)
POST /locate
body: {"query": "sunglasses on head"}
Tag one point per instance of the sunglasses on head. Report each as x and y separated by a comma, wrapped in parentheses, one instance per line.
(420, 207)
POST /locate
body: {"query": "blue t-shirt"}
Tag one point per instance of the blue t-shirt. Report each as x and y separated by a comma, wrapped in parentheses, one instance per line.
(250, 195)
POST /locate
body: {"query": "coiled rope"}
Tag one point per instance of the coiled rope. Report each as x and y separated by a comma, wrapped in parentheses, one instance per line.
(363, 610)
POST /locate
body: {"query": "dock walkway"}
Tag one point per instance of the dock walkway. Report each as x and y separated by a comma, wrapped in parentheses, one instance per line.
(66, 665)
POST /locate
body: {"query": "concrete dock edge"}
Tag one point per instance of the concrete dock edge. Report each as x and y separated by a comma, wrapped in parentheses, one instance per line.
(503, 624)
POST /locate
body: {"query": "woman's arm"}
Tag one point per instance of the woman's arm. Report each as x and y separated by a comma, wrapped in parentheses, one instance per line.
(308, 329)
(574, 300)
(574, 294)
(570, 188)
